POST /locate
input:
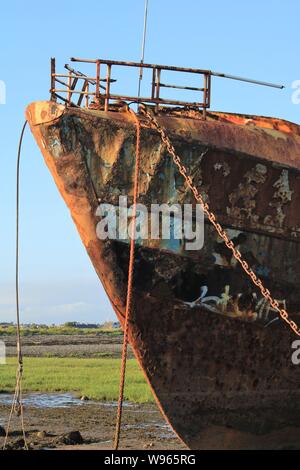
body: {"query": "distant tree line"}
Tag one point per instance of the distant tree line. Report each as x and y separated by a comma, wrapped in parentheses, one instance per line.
(71, 324)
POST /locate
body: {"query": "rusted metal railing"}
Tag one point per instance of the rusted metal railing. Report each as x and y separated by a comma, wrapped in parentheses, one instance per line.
(99, 89)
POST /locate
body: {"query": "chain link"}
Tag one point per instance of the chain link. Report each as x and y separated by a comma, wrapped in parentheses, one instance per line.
(212, 218)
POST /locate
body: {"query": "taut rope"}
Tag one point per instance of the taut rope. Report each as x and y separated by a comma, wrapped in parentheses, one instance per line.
(17, 403)
(130, 282)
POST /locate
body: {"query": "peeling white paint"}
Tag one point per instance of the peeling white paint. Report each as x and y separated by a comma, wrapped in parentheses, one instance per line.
(226, 168)
(283, 187)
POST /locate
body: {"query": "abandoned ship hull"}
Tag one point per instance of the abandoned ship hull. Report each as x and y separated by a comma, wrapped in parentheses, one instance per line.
(216, 356)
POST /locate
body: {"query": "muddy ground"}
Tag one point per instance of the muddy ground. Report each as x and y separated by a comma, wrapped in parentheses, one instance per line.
(98, 345)
(48, 427)
(143, 428)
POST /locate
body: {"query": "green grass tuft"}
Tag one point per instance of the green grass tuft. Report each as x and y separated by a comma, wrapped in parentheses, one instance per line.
(97, 378)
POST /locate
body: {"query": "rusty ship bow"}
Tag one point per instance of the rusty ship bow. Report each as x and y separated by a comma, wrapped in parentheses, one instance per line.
(216, 355)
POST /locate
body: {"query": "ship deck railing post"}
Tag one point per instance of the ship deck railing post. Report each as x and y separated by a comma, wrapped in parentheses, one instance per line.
(87, 96)
(69, 88)
(209, 90)
(158, 75)
(98, 81)
(53, 76)
(107, 91)
(153, 83)
(205, 95)
(82, 93)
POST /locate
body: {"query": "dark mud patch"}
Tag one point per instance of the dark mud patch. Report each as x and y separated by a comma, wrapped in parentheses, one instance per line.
(47, 427)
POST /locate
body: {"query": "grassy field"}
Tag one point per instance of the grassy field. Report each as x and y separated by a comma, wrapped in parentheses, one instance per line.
(96, 378)
(56, 330)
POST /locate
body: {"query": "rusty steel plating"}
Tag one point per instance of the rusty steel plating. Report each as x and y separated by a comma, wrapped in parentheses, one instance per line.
(212, 218)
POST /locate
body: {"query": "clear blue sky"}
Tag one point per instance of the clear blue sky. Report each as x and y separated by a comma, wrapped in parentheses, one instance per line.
(259, 39)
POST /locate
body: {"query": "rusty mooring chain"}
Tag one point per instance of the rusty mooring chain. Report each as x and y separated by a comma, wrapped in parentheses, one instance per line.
(212, 218)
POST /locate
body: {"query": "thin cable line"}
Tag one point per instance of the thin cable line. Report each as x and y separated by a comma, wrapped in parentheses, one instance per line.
(143, 46)
(17, 403)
